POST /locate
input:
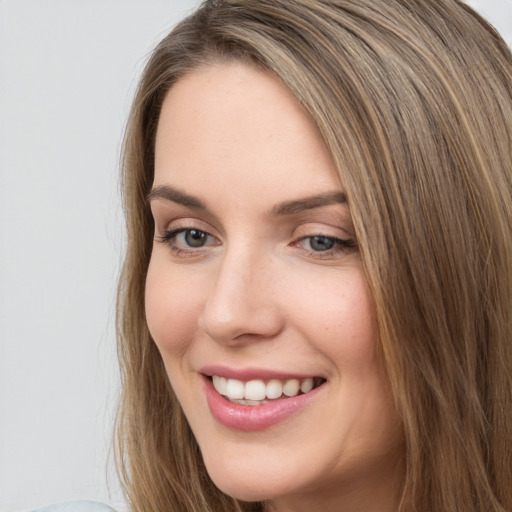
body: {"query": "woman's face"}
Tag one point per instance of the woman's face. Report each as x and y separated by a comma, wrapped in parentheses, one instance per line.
(258, 303)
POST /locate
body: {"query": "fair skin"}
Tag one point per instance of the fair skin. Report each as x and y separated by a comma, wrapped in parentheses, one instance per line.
(249, 281)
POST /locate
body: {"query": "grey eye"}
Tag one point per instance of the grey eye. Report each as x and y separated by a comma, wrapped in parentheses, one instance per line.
(321, 243)
(195, 238)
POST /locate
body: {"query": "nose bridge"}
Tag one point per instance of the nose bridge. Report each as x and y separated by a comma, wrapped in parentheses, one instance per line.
(240, 299)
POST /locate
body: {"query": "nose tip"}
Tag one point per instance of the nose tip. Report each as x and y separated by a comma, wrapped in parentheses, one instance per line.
(241, 306)
(234, 326)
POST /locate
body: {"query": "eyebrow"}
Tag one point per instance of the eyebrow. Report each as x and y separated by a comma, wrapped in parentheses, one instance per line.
(309, 203)
(176, 196)
(284, 208)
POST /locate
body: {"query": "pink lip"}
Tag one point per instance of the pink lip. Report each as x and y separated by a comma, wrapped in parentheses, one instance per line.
(246, 374)
(251, 418)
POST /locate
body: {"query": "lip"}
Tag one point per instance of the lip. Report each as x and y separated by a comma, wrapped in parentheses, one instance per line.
(249, 418)
(246, 374)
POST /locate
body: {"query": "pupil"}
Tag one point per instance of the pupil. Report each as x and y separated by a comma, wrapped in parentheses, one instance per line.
(321, 243)
(195, 238)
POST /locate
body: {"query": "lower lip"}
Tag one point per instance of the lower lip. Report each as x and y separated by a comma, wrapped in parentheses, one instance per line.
(250, 418)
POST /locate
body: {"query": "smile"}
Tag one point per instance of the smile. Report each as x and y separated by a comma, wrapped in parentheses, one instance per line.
(254, 404)
(260, 392)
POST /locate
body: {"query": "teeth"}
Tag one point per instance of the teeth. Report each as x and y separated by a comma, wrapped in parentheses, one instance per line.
(291, 387)
(306, 385)
(220, 384)
(251, 402)
(255, 392)
(274, 388)
(235, 389)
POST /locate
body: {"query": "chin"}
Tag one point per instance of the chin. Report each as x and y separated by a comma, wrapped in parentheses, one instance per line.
(242, 490)
(250, 483)
(248, 488)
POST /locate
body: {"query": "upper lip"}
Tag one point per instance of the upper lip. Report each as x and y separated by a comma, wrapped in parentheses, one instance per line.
(251, 373)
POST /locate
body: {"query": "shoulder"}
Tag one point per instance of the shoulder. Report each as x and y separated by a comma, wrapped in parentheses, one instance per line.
(77, 506)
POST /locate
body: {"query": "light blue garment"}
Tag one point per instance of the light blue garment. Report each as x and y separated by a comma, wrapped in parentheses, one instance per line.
(77, 506)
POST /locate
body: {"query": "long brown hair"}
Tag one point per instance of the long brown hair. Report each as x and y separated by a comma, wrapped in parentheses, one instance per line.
(414, 101)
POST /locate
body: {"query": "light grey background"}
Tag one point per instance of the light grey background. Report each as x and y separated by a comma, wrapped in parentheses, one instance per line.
(68, 69)
(67, 73)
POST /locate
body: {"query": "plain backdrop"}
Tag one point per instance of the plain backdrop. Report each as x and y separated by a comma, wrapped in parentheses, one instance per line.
(68, 69)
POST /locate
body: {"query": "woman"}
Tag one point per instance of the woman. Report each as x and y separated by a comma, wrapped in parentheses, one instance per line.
(315, 311)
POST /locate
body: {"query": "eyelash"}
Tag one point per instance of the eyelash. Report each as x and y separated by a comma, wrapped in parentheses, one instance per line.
(169, 239)
(339, 244)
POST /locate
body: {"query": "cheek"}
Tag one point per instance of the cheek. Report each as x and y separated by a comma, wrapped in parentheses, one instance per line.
(337, 312)
(172, 302)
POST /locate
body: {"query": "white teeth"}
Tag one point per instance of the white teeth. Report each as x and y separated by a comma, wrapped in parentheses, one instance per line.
(220, 384)
(254, 392)
(291, 387)
(274, 388)
(306, 385)
(235, 389)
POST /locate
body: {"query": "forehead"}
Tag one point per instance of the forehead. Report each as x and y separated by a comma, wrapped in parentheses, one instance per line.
(232, 125)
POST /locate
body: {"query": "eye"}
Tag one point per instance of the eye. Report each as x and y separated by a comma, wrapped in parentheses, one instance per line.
(193, 237)
(187, 240)
(321, 243)
(322, 246)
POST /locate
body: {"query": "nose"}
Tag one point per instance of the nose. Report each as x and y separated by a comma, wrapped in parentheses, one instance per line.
(241, 304)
